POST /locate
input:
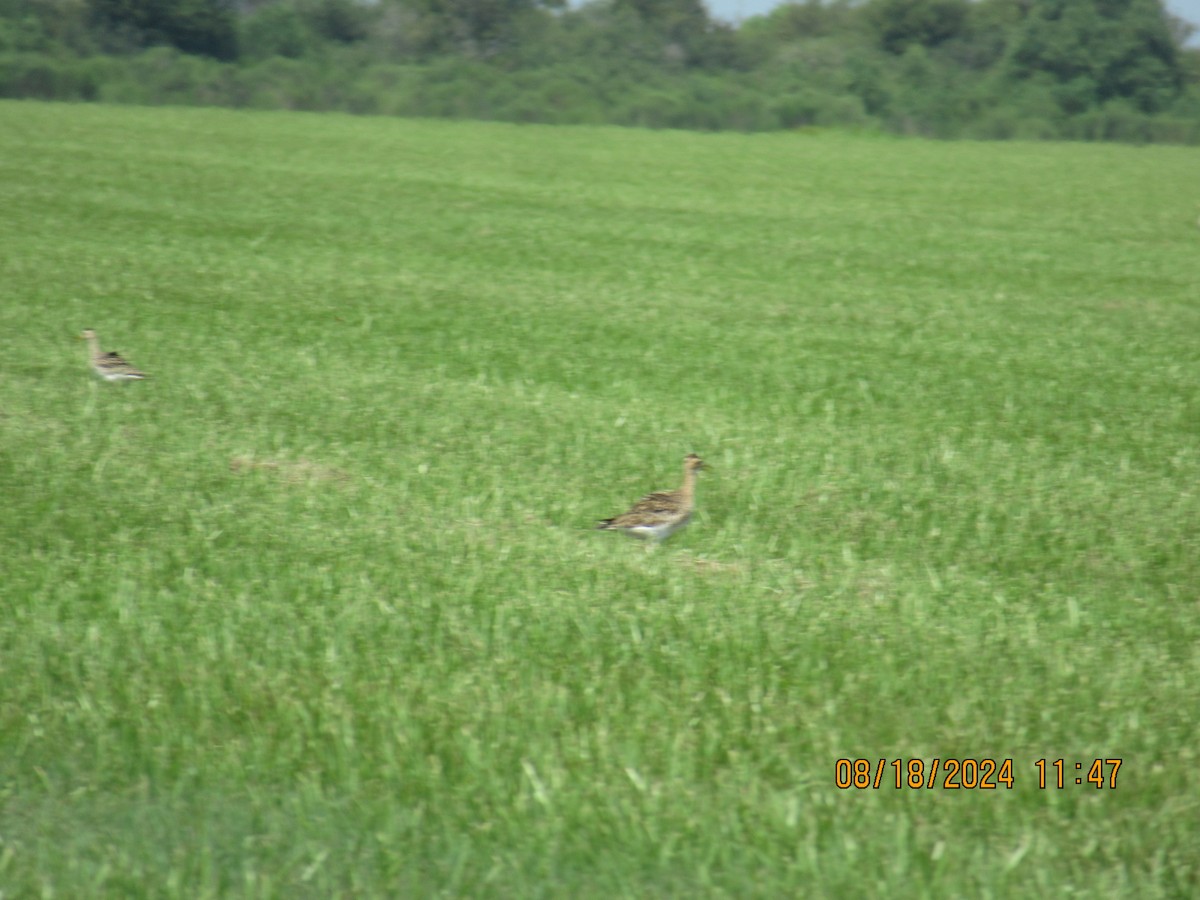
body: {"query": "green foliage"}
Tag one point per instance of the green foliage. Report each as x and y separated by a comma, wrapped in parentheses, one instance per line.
(934, 67)
(277, 29)
(318, 611)
(812, 18)
(611, 38)
(814, 107)
(478, 29)
(1100, 50)
(983, 40)
(51, 27)
(684, 31)
(23, 35)
(901, 24)
(340, 21)
(1189, 63)
(37, 76)
(205, 27)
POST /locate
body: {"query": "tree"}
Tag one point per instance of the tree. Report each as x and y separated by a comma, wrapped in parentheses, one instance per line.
(986, 34)
(477, 28)
(340, 21)
(688, 34)
(813, 18)
(205, 27)
(1095, 51)
(761, 38)
(276, 29)
(902, 23)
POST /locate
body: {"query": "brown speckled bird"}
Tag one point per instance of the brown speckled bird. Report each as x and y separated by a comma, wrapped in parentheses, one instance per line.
(110, 366)
(659, 515)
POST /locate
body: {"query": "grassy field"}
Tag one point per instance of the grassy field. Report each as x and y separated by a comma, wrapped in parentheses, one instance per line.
(318, 609)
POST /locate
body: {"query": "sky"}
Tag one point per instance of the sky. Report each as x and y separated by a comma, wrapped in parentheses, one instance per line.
(734, 10)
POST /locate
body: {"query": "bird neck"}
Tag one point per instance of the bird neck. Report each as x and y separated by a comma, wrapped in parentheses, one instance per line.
(688, 490)
(93, 345)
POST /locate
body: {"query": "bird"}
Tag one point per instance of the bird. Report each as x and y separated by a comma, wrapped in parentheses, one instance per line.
(110, 366)
(659, 515)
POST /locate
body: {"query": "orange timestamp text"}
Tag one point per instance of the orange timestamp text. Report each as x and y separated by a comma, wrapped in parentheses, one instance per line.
(983, 774)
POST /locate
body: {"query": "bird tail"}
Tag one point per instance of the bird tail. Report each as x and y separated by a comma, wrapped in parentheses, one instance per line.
(604, 524)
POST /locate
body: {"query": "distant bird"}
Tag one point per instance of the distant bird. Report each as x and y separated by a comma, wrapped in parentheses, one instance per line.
(659, 515)
(110, 366)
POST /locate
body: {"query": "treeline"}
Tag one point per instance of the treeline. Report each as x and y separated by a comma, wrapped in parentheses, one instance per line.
(1085, 69)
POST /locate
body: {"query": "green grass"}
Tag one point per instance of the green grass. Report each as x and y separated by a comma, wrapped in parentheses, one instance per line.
(318, 610)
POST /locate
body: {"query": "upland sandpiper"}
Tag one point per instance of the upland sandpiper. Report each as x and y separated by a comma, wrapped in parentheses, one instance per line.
(110, 366)
(659, 515)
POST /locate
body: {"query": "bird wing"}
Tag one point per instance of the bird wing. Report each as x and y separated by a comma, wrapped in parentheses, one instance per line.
(653, 509)
(111, 362)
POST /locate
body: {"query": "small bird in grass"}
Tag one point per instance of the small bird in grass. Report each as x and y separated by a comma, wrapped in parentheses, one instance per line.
(659, 515)
(110, 366)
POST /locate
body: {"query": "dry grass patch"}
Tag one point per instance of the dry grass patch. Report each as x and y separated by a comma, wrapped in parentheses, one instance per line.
(301, 471)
